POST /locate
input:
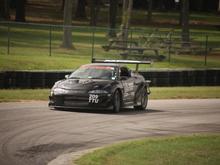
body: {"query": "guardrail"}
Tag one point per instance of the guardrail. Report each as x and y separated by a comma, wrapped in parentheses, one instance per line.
(46, 79)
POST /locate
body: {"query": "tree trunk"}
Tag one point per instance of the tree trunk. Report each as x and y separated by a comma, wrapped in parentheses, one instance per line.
(92, 13)
(126, 15)
(112, 17)
(62, 5)
(4, 10)
(219, 6)
(180, 12)
(94, 10)
(20, 10)
(185, 22)
(149, 11)
(67, 30)
(80, 9)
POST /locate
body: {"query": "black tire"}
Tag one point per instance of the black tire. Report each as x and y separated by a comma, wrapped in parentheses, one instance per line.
(143, 100)
(116, 102)
(55, 109)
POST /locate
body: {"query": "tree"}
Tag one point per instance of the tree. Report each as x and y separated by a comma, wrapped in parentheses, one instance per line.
(112, 17)
(149, 11)
(67, 21)
(219, 6)
(4, 10)
(180, 13)
(94, 10)
(20, 10)
(126, 15)
(62, 5)
(185, 22)
(80, 9)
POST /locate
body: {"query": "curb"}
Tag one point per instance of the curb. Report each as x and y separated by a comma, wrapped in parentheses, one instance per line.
(69, 158)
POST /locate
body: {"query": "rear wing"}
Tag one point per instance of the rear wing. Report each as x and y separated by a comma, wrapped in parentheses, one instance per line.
(122, 62)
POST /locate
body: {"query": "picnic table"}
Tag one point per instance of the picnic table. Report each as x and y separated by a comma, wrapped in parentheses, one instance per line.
(130, 46)
(119, 44)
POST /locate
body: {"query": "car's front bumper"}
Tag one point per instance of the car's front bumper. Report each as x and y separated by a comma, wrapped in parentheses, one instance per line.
(104, 101)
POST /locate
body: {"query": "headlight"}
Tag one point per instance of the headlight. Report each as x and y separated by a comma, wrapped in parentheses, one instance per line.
(58, 91)
(51, 93)
(98, 92)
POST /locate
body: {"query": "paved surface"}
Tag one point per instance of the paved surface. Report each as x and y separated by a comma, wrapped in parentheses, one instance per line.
(30, 133)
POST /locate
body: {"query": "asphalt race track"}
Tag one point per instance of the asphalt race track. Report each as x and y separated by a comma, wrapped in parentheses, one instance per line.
(31, 134)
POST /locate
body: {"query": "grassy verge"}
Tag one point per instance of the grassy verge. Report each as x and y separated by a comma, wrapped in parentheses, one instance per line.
(7, 95)
(30, 48)
(10, 95)
(185, 92)
(70, 62)
(193, 150)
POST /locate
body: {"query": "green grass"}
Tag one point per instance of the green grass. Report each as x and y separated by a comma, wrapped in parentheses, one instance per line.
(41, 61)
(193, 150)
(7, 95)
(29, 49)
(10, 95)
(184, 92)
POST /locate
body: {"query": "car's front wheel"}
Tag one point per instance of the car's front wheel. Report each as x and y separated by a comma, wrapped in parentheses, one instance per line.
(116, 102)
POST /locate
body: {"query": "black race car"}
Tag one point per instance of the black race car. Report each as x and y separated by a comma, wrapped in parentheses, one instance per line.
(106, 85)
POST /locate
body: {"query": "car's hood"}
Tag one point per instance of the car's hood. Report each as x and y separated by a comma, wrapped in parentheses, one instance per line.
(83, 84)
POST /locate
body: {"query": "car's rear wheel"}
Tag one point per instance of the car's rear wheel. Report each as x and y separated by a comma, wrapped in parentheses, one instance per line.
(116, 102)
(143, 101)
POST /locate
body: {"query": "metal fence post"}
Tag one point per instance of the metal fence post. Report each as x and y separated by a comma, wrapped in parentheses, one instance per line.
(93, 40)
(169, 49)
(50, 36)
(206, 48)
(131, 31)
(8, 50)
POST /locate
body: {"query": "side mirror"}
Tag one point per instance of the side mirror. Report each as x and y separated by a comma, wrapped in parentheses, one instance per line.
(67, 76)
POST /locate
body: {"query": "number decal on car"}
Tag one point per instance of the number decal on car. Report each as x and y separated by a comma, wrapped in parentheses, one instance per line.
(93, 98)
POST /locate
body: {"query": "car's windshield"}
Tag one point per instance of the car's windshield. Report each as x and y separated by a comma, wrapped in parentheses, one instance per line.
(94, 72)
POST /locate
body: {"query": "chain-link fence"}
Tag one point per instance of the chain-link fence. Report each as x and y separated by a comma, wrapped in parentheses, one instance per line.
(164, 45)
